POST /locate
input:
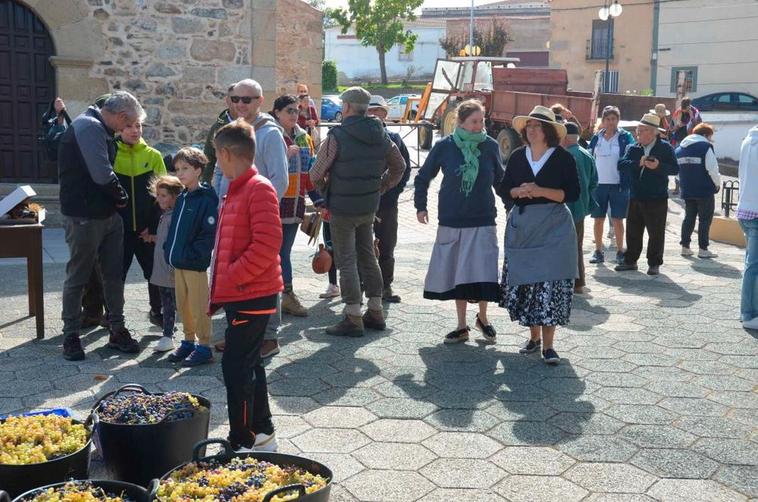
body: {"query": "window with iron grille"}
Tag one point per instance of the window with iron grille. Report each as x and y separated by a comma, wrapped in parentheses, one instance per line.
(690, 79)
(601, 45)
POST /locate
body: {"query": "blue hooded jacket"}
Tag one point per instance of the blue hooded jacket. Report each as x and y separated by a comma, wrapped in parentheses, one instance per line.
(192, 233)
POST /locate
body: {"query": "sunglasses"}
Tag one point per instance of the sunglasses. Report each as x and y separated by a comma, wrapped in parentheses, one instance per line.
(245, 99)
(303, 96)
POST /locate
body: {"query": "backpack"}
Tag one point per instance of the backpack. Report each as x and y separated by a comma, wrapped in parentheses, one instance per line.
(50, 131)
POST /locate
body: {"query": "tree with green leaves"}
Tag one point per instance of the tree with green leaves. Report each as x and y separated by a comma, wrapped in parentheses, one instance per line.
(379, 24)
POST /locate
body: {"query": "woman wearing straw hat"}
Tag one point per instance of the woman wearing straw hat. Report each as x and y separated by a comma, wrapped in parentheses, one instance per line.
(464, 260)
(540, 240)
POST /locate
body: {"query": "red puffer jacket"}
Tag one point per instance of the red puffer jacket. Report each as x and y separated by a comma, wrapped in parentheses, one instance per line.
(248, 240)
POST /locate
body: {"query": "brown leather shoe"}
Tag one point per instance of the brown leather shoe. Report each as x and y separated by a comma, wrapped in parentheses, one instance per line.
(349, 326)
(269, 348)
(291, 305)
(374, 319)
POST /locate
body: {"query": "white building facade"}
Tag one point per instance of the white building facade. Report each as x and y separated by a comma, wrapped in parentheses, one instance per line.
(358, 63)
(714, 43)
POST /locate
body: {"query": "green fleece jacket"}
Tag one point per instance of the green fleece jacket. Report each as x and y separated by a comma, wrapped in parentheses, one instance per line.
(135, 167)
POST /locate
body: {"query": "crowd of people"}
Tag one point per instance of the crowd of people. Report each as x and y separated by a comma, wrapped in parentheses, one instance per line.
(214, 229)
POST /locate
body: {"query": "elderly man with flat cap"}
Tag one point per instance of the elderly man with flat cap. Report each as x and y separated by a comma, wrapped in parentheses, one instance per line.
(356, 164)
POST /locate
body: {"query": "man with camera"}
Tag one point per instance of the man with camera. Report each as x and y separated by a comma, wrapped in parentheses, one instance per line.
(648, 163)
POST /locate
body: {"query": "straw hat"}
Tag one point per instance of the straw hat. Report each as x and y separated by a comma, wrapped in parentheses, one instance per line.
(652, 120)
(659, 109)
(543, 114)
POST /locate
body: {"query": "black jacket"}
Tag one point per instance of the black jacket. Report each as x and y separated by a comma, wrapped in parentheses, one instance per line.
(650, 184)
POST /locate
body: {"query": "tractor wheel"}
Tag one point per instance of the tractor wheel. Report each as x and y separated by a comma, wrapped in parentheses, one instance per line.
(448, 123)
(425, 136)
(508, 140)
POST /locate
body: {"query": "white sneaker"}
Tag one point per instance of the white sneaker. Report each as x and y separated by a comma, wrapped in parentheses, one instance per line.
(751, 324)
(265, 442)
(687, 251)
(704, 253)
(332, 291)
(165, 344)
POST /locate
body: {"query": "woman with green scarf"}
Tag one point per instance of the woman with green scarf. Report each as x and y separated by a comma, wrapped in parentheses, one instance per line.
(464, 262)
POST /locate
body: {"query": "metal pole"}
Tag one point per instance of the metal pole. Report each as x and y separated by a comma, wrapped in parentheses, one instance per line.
(471, 30)
(608, 49)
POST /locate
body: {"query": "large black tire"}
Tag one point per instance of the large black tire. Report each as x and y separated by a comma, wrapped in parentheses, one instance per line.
(425, 136)
(448, 122)
(508, 140)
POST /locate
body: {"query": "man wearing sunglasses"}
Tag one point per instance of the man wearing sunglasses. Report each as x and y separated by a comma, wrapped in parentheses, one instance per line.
(271, 161)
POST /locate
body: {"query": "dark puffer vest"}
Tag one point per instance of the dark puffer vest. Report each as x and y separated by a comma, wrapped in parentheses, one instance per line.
(356, 175)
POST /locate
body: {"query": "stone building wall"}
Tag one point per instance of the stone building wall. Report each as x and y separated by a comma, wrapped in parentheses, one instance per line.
(179, 56)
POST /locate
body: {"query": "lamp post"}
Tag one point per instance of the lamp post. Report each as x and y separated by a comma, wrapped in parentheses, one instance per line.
(606, 12)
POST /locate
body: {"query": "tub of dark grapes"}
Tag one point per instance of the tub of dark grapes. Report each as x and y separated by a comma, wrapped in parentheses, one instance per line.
(142, 435)
(102, 490)
(31, 461)
(257, 475)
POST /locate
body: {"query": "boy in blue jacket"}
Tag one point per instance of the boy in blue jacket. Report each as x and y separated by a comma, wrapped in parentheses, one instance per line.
(188, 249)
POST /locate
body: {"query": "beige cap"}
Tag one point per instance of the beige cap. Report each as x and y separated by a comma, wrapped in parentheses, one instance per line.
(356, 95)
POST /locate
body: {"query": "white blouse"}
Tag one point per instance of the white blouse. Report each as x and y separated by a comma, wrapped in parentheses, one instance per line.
(537, 165)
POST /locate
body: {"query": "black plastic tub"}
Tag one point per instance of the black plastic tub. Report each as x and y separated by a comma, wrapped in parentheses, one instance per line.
(130, 490)
(280, 459)
(17, 479)
(139, 453)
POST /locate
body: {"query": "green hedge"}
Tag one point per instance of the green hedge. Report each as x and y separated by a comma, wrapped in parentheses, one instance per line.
(329, 76)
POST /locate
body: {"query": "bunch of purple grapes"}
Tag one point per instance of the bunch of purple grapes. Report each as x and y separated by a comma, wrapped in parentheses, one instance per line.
(134, 408)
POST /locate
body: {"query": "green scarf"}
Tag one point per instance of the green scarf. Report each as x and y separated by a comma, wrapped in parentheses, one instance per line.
(468, 143)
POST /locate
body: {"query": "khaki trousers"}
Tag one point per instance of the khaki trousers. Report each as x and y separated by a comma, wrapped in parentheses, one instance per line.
(192, 304)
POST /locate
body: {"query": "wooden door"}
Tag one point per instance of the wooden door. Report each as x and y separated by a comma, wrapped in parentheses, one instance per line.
(27, 85)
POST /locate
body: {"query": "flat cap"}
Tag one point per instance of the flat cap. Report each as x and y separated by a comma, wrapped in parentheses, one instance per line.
(572, 128)
(356, 95)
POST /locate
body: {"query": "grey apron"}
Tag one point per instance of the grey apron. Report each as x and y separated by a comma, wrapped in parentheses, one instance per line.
(540, 244)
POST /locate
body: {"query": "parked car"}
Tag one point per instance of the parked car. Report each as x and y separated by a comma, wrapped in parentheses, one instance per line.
(397, 107)
(331, 108)
(726, 101)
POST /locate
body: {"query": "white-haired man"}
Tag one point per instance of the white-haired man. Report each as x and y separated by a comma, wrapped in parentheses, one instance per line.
(90, 194)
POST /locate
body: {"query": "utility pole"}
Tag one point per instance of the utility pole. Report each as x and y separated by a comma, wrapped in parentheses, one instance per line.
(471, 30)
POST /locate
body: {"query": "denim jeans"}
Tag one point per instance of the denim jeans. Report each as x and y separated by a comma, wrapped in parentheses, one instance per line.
(702, 209)
(289, 232)
(749, 303)
(353, 239)
(90, 240)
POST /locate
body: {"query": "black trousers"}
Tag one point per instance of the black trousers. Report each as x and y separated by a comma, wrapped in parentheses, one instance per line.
(647, 215)
(386, 231)
(244, 374)
(702, 209)
(134, 247)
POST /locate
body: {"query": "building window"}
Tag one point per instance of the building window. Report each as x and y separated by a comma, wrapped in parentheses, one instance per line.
(402, 55)
(689, 82)
(601, 44)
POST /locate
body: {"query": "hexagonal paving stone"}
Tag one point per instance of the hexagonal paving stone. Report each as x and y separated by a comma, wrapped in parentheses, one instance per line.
(692, 406)
(599, 449)
(513, 411)
(399, 456)
(743, 478)
(713, 427)
(462, 420)
(613, 478)
(291, 405)
(706, 367)
(617, 379)
(628, 395)
(454, 473)
(586, 423)
(389, 407)
(389, 486)
(21, 388)
(675, 463)
(728, 451)
(534, 460)
(342, 465)
(527, 433)
(339, 417)
(289, 426)
(747, 400)
(641, 414)
(693, 490)
(676, 389)
(724, 383)
(606, 365)
(343, 396)
(657, 436)
(330, 440)
(448, 494)
(618, 497)
(462, 445)
(539, 489)
(399, 431)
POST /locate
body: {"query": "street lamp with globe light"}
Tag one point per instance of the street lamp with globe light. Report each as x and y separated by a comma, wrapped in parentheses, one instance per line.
(606, 11)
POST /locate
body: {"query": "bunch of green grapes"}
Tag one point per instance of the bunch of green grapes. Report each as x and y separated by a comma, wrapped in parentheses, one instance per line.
(77, 491)
(39, 438)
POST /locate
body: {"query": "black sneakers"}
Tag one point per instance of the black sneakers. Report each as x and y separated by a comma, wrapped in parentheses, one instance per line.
(457, 336)
(488, 331)
(597, 257)
(550, 357)
(530, 346)
(72, 348)
(120, 339)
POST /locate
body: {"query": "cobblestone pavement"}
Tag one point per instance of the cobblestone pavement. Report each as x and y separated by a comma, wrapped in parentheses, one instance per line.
(655, 398)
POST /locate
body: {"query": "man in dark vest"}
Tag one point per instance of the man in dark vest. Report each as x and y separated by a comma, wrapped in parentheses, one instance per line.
(355, 165)
(699, 180)
(385, 226)
(90, 193)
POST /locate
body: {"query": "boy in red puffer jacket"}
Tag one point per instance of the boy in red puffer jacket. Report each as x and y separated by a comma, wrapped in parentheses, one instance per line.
(246, 277)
